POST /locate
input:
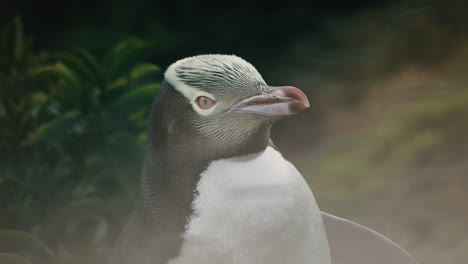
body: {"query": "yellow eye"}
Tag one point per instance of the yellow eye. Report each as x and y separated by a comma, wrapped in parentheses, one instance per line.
(204, 102)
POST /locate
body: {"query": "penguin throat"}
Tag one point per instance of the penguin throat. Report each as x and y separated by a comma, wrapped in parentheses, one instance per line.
(177, 167)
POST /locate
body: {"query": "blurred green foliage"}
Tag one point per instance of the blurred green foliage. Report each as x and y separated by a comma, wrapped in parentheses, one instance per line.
(72, 139)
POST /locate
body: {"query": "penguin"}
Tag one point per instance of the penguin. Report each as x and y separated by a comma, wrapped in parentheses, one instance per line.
(214, 188)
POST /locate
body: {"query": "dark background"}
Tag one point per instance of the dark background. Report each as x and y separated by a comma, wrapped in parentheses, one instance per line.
(384, 142)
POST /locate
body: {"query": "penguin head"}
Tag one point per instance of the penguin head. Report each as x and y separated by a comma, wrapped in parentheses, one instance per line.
(223, 101)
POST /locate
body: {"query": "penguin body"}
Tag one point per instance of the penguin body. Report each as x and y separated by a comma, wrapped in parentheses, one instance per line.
(254, 209)
(215, 190)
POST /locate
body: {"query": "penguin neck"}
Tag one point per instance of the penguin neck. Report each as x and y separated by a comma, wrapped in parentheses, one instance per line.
(168, 164)
(170, 176)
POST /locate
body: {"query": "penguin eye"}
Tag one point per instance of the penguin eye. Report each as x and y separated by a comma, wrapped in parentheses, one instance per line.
(204, 102)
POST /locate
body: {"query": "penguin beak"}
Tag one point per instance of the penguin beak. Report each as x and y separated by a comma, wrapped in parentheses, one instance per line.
(277, 101)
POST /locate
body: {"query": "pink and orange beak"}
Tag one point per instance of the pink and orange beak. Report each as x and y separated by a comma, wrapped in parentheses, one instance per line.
(278, 101)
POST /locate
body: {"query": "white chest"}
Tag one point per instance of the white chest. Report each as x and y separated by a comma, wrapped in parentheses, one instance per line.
(255, 209)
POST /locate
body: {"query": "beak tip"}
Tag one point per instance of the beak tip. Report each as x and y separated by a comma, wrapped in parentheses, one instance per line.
(296, 93)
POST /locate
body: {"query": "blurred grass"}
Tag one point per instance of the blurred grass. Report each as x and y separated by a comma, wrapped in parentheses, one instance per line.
(403, 171)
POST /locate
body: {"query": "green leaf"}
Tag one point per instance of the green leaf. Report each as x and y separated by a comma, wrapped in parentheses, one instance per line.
(76, 64)
(135, 99)
(118, 59)
(14, 240)
(7, 258)
(143, 70)
(57, 70)
(117, 88)
(139, 75)
(54, 129)
(90, 61)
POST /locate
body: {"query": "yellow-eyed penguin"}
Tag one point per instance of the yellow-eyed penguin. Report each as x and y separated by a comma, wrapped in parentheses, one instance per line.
(214, 189)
